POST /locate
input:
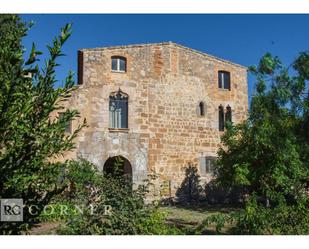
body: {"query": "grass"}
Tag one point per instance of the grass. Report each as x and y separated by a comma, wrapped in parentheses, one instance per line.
(188, 218)
(45, 228)
(185, 218)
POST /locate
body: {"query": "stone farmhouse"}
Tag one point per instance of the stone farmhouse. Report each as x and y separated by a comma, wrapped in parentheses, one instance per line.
(159, 106)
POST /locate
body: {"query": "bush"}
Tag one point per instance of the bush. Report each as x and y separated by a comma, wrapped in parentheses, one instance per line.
(281, 219)
(31, 140)
(114, 205)
(267, 154)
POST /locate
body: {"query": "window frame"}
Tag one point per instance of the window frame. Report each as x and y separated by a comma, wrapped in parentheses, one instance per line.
(221, 118)
(118, 59)
(222, 80)
(228, 114)
(207, 166)
(117, 97)
(210, 165)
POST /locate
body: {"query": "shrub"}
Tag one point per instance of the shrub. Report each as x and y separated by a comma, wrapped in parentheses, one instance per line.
(267, 155)
(30, 139)
(119, 207)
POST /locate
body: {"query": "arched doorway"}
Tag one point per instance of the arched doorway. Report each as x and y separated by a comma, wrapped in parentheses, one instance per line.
(118, 165)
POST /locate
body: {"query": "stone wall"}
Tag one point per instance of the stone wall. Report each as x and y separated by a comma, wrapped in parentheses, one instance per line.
(165, 83)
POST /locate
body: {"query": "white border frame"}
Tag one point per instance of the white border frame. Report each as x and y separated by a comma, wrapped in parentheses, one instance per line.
(155, 6)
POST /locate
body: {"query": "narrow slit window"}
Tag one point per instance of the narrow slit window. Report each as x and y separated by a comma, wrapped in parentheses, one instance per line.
(228, 114)
(201, 109)
(221, 118)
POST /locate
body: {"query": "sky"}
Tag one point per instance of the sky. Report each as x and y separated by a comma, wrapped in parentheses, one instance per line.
(240, 38)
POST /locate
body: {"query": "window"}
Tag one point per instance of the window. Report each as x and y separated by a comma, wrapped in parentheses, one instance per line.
(224, 117)
(228, 114)
(118, 110)
(221, 118)
(119, 64)
(224, 80)
(210, 164)
(207, 165)
(68, 128)
(80, 67)
(201, 109)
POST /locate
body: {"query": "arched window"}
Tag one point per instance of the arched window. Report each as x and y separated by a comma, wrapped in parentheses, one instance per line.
(224, 80)
(201, 109)
(119, 64)
(221, 118)
(118, 110)
(228, 114)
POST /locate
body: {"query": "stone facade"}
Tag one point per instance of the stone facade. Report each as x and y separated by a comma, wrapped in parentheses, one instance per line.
(165, 83)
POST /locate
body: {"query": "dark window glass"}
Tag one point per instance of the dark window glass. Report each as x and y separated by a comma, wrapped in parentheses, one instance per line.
(118, 110)
(224, 80)
(227, 80)
(201, 109)
(122, 64)
(114, 64)
(228, 114)
(119, 64)
(220, 79)
(221, 118)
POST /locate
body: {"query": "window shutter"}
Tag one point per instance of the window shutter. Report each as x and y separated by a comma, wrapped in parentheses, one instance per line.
(114, 64)
(210, 164)
(227, 80)
(202, 165)
(220, 79)
(228, 114)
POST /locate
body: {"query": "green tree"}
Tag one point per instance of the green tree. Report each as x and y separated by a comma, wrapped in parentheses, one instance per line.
(30, 140)
(268, 154)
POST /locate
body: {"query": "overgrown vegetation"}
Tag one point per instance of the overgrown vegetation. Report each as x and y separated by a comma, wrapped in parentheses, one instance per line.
(268, 154)
(29, 139)
(266, 157)
(118, 206)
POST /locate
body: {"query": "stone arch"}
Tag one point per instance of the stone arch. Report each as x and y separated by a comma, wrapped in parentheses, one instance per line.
(128, 146)
(125, 166)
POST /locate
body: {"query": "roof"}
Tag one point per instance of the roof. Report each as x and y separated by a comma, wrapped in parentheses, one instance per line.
(164, 44)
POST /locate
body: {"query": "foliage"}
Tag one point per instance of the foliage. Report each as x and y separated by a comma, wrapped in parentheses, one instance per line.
(30, 140)
(268, 153)
(80, 176)
(129, 212)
